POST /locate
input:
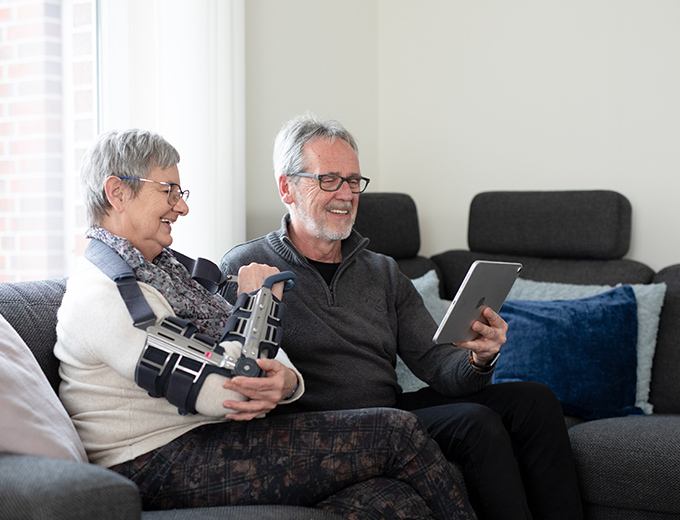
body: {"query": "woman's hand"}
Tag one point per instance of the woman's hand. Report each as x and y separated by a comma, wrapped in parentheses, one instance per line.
(264, 392)
(252, 276)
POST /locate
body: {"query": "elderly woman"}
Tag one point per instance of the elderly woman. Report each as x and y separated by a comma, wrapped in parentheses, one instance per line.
(376, 463)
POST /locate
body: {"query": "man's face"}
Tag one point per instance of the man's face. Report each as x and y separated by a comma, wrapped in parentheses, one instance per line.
(325, 215)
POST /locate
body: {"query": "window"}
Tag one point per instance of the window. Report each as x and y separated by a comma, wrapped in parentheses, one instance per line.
(72, 68)
(47, 109)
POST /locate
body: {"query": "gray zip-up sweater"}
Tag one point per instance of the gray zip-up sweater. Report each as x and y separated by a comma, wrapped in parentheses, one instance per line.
(344, 339)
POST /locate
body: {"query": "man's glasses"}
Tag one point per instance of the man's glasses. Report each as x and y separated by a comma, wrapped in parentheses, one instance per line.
(174, 193)
(332, 182)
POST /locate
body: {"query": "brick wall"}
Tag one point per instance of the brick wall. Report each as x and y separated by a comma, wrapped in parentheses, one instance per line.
(46, 114)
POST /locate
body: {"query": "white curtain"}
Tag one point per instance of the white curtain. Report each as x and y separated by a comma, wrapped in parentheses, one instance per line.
(177, 67)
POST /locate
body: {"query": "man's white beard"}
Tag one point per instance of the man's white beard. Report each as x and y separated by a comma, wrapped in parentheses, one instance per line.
(321, 230)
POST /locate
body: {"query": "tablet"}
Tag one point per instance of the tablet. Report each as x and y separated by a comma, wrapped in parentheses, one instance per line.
(486, 284)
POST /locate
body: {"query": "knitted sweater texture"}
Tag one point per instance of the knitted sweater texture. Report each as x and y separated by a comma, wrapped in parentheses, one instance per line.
(344, 339)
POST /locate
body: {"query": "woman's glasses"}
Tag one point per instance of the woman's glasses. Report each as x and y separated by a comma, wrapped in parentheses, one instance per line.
(174, 193)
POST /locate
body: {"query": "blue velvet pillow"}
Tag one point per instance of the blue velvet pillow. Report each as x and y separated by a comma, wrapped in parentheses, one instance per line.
(584, 349)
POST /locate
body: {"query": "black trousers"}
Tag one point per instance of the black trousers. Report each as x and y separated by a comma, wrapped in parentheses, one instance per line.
(512, 443)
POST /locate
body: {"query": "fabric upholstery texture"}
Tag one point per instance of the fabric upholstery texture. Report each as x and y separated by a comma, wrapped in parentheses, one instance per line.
(31, 310)
(38, 487)
(629, 462)
(558, 224)
(583, 349)
(269, 512)
(664, 391)
(390, 222)
(452, 266)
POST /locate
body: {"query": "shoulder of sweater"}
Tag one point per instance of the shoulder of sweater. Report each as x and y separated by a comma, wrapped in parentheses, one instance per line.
(243, 249)
(88, 283)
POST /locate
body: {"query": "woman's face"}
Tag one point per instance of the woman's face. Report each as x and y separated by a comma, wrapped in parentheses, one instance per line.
(149, 217)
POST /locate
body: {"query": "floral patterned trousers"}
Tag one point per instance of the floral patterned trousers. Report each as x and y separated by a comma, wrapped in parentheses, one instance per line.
(376, 463)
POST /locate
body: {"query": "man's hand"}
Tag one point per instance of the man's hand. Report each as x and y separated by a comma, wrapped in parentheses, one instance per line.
(264, 392)
(490, 339)
(252, 276)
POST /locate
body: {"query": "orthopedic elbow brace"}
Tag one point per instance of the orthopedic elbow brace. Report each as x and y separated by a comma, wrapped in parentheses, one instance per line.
(176, 358)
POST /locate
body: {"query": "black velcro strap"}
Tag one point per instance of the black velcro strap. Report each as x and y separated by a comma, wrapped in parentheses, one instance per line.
(202, 270)
(113, 266)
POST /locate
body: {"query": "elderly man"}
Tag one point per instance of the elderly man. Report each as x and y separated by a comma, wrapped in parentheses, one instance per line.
(353, 312)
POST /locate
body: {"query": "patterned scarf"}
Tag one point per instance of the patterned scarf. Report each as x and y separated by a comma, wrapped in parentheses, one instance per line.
(188, 299)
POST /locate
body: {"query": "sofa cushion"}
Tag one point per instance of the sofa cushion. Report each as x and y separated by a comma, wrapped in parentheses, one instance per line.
(454, 264)
(34, 420)
(583, 349)
(44, 488)
(629, 463)
(558, 224)
(650, 298)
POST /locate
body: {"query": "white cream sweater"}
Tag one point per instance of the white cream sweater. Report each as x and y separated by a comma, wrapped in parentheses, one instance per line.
(98, 348)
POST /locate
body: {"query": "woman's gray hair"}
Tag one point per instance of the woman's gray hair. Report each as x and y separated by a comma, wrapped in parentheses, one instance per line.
(299, 131)
(131, 153)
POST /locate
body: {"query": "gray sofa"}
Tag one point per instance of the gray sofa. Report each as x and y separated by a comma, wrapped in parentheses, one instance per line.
(628, 467)
(34, 487)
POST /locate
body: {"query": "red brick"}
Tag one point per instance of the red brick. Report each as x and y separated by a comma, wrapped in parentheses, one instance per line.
(20, 70)
(33, 107)
(6, 52)
(82, 15)
(40, 126)
(33, 185)
(7, 167)
(7, 128)
(41, 242)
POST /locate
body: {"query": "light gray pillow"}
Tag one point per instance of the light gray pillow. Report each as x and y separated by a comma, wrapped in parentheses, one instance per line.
(428, 288)
(649, 302)
(34, 422)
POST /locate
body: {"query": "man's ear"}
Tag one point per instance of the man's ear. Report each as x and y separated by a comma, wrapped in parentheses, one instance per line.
(115, 192)
(286, 189)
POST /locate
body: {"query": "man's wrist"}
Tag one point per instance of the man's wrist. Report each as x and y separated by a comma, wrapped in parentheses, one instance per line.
(483, 367)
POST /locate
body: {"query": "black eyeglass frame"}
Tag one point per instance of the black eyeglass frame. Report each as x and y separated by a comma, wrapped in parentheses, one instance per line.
(183, 194)
(342, 179)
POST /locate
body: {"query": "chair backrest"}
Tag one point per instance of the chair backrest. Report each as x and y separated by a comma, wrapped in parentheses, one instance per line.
(559, 236)
(390, 221)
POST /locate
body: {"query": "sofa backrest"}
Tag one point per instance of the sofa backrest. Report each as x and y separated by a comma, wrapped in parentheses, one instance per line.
(390, 221)
(31, 309)
(560, 236)
(542, 230)
(665, 387)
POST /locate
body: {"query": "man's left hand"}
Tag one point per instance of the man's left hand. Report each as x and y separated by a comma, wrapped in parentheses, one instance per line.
(491, 337)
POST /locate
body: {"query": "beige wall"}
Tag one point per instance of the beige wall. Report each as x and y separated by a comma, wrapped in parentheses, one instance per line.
(306, 55)
(452, 97)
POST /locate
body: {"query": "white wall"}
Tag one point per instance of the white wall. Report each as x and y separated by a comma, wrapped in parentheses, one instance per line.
(306, 55)
(457, 97)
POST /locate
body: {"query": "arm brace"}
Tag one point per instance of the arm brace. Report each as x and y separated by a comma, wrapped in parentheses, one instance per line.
(176, 358)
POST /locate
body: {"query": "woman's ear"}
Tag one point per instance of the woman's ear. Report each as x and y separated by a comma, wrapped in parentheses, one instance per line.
(115, 192)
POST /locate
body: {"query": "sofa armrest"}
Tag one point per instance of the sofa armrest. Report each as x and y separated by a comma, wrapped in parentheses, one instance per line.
(39, 487)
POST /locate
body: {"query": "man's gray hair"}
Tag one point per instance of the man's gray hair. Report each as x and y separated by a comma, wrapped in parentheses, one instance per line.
(131, 153)
(299, 131)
